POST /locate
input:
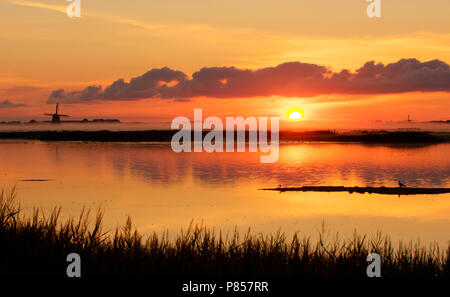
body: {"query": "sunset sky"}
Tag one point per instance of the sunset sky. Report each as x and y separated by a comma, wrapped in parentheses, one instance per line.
(241, 58)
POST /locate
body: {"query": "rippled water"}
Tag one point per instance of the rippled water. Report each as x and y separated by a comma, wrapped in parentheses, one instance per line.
(161, 190)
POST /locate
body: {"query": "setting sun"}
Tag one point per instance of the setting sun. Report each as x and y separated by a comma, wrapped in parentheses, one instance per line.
(295, 115)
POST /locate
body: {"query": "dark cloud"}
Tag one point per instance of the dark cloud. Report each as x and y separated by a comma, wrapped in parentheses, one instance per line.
(147, 85)
(292, 79)
(88, 94)
(9, 104)
(181, 100)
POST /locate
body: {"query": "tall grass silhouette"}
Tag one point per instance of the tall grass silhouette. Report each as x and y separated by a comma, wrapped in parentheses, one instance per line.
(37, 245)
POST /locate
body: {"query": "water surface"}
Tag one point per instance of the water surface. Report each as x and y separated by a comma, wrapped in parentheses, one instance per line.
(162, 190)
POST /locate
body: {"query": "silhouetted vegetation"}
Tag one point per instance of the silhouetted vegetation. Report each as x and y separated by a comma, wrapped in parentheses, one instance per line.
(39, 244)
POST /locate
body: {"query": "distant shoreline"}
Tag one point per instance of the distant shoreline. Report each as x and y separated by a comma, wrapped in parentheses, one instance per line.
(84, 121)
(381, 137)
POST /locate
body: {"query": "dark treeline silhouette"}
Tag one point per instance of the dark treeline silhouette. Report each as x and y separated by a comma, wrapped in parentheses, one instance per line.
(166, 136)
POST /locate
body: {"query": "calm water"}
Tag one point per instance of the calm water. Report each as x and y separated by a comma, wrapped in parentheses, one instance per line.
(161, 190)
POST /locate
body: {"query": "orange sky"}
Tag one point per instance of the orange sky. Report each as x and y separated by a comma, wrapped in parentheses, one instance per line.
(43, 50)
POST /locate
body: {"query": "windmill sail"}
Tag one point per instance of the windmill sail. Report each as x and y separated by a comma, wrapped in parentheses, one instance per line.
(56, 117)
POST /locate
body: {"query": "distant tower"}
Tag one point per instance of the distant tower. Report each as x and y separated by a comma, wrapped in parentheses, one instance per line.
(56, 117)
(409, 119)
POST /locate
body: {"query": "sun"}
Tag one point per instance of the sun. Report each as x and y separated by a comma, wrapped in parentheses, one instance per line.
(295, 115)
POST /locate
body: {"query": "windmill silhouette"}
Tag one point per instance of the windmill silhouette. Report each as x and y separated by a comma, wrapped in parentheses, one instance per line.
(56, 116)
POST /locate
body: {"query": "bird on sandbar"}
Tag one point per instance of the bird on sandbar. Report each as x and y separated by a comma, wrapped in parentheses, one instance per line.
(401, 184)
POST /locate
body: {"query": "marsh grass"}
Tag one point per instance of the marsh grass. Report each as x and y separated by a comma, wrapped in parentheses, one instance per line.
(37, 245)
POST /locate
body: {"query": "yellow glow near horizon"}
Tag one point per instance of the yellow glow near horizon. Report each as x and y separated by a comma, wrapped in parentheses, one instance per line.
(295, 115)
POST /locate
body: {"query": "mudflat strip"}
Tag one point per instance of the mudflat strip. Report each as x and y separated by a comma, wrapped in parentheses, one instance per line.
(362, 190)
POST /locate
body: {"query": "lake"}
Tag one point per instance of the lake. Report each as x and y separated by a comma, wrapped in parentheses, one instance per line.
(162, 190)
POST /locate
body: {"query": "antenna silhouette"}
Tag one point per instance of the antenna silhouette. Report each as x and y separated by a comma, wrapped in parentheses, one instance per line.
(56, 117)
